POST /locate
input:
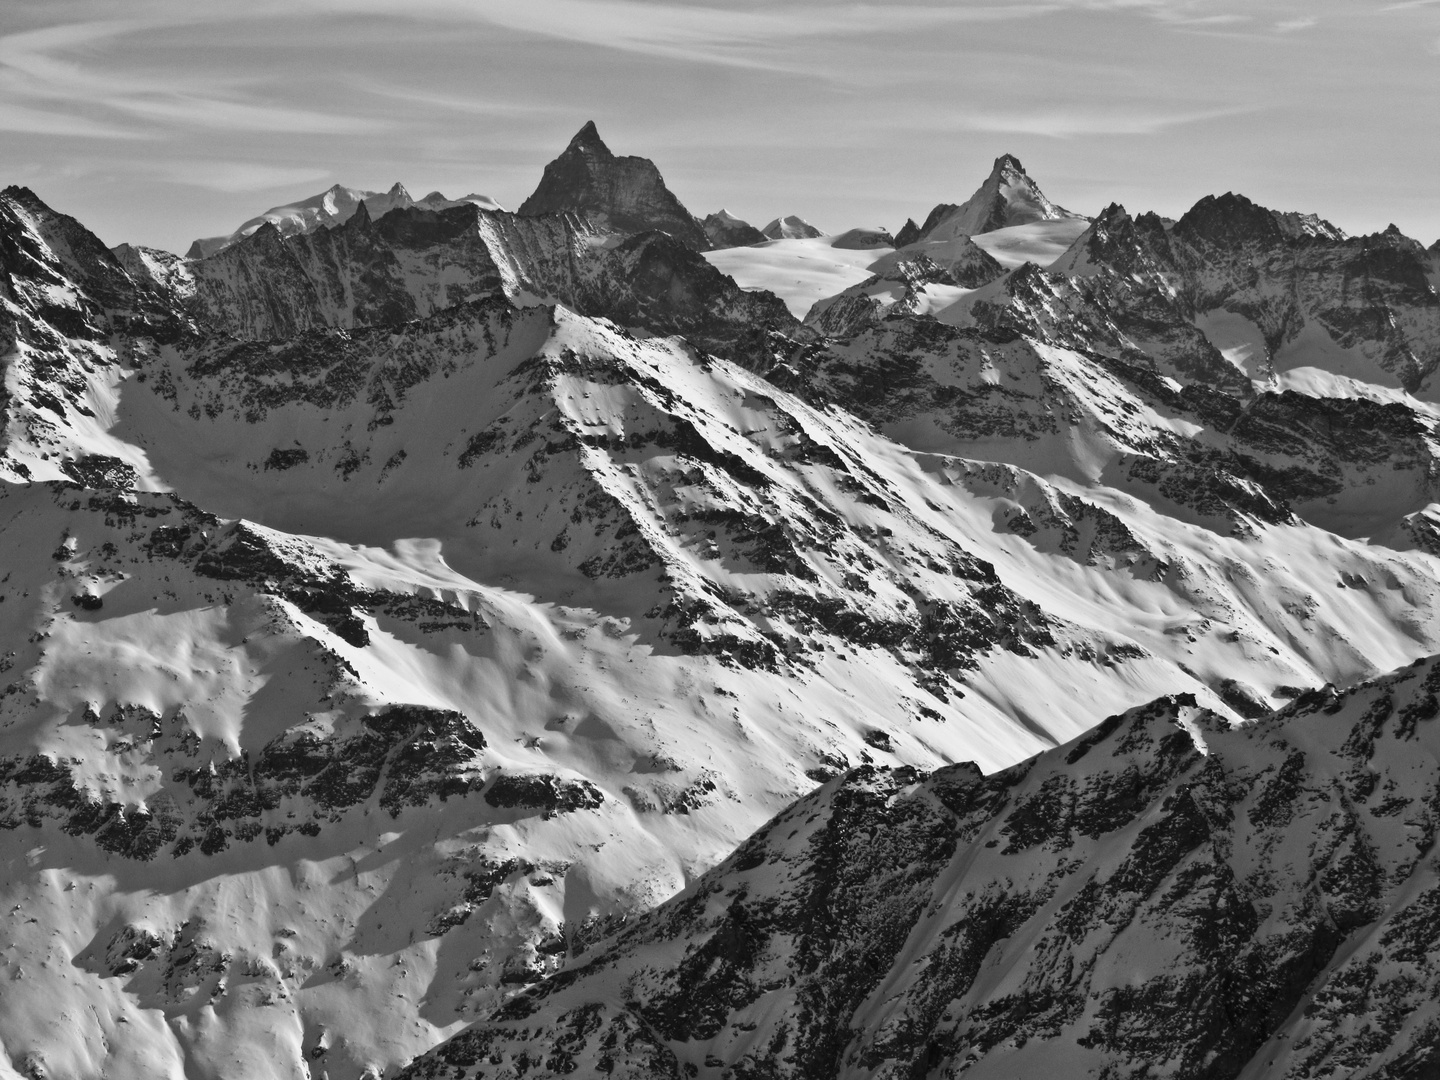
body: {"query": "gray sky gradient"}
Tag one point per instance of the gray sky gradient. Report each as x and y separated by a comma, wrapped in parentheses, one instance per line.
(157, 121)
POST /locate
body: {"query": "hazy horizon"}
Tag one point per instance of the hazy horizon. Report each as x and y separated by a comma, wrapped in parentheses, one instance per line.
(160, 122)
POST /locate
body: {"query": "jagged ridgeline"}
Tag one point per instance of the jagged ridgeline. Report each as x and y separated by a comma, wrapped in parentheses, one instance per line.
(1168, 894)
(401, 599)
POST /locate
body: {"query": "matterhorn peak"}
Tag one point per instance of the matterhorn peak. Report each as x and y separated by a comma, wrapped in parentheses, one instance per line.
(1007, 163)
(626, 193)
(588, 139)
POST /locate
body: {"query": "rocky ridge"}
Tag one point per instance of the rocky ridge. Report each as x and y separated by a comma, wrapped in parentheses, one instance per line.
(1168, 892)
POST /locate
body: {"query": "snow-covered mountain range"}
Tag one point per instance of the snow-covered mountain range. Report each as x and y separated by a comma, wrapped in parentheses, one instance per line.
(332, 206)
(403, 598)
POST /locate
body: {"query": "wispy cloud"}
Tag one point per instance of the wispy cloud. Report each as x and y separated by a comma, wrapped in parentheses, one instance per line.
(746, 37)
(22, 118)
(1290, 26)
(1074, 123)
(40, 76)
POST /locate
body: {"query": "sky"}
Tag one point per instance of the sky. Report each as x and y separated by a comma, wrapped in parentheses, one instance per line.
(158, 121)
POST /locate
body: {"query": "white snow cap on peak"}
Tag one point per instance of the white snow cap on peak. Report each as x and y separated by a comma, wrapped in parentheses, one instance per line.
(791, 227)
(334, 205)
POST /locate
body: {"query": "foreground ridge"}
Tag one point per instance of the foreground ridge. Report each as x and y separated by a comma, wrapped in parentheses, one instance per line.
(1166, 892)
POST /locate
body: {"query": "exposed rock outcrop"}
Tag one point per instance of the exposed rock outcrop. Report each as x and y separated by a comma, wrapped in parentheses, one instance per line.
(725, 230)
(1166, 892)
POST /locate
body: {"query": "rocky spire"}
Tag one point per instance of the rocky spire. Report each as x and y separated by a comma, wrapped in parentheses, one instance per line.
(627, 194)
(1007, 197)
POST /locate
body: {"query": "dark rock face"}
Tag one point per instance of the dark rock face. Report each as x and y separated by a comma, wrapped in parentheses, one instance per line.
(973, 266)
(727, 231)
(67, 253)
(1115, 290)
(654, 281)
(626, 194)
(408, 264)
(1305, 287)
(414, 263)
(1165, 892)
(1262, 458)
(907, 234)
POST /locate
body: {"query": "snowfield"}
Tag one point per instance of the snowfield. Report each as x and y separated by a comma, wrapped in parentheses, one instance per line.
(799, 271)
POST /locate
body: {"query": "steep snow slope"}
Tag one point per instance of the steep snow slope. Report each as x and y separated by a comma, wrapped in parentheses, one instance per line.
(1167, 894)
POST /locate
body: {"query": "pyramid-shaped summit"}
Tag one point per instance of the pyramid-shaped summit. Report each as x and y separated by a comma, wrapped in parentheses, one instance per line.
(1007, 197)
(627, 194)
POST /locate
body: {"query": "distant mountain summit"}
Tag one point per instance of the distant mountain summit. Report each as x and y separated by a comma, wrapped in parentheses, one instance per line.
(1007, 197)
(791, 227)
(725, 230)
(331, 207)
(627, 194)
(1234, 220)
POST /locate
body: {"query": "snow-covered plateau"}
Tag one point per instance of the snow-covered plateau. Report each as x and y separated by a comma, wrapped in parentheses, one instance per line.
(594, 640)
